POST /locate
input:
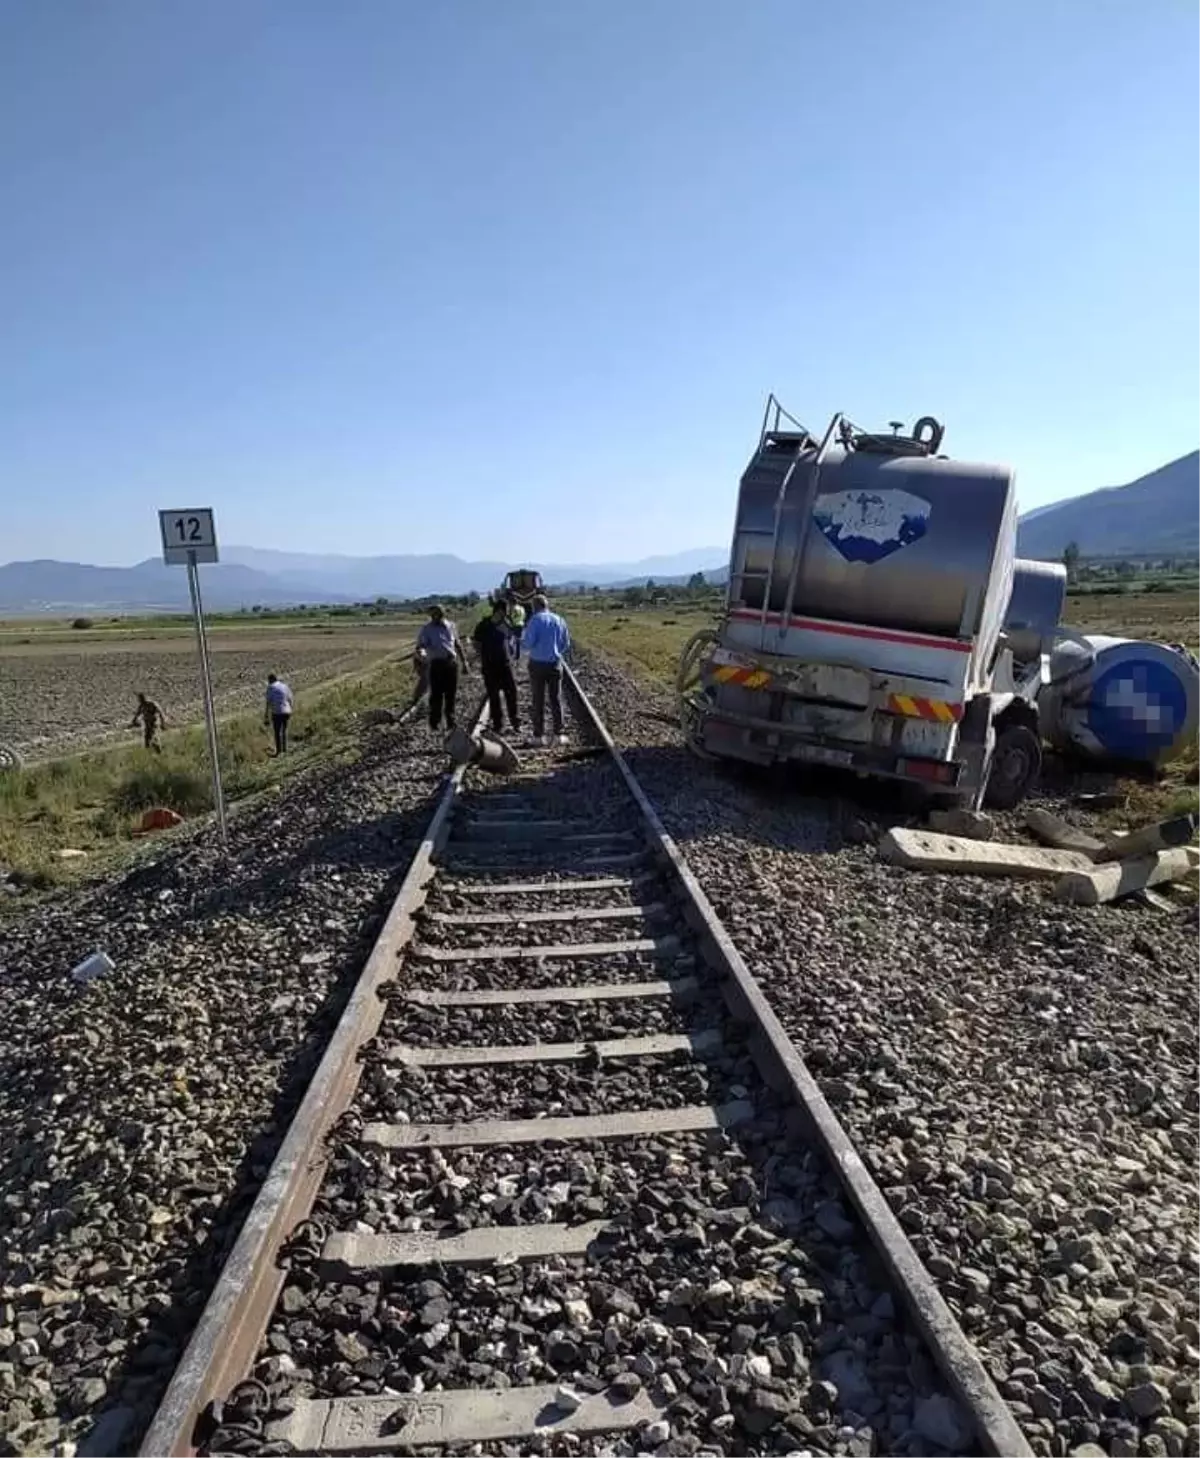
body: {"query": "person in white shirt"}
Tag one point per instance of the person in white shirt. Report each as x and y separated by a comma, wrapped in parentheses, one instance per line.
(279, 710)
(439, 642)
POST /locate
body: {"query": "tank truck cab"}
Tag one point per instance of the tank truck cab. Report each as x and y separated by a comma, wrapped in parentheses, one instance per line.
(863, 627)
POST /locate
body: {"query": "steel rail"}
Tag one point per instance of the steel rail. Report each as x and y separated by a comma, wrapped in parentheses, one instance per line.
(235, 1317)
(956, 1356)
(226, 1340)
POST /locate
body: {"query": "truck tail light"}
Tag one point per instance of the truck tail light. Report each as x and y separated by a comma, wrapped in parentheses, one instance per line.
(937, 771)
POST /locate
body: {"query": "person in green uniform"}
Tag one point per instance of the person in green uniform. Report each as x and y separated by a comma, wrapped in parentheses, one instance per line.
(151, 717)
(516, 619)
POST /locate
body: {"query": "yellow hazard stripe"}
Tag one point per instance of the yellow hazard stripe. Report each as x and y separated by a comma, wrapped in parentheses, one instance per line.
(921, 708)
(748, 677)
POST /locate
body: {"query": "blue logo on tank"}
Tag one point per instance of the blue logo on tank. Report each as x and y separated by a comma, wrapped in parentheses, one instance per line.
(1135, 707)
(867, 526)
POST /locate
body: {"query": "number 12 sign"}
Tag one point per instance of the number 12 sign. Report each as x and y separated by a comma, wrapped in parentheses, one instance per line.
(189, 535)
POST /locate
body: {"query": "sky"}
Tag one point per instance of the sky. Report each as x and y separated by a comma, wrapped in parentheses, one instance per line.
(513, 278)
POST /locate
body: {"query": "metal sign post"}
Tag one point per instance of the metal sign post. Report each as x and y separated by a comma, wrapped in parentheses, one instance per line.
(189, 538)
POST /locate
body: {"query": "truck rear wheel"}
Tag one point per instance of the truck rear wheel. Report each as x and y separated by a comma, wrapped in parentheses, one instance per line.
(1016, 764)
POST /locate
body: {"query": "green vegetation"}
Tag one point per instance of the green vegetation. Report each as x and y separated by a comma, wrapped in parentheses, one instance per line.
(648, 642)
(1116, 576)
(93, 802)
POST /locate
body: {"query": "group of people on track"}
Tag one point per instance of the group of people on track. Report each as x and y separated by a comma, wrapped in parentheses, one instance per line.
(498, 640)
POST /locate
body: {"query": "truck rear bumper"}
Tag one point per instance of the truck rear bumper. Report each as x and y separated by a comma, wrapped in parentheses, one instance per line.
(765, 742)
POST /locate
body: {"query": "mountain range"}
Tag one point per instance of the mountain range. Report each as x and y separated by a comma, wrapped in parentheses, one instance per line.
(246, 576)
(1158, 515)
(420, 576)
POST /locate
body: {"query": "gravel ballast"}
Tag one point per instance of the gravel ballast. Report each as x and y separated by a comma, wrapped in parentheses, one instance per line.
(729, 1281)
(730, 1284)
(1020, 1075)
(534, 971)
(139, 1113)
(564, 1022)
(391, 1091)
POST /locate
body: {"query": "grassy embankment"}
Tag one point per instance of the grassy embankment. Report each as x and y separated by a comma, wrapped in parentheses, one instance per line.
(648, 641)
(93, 802)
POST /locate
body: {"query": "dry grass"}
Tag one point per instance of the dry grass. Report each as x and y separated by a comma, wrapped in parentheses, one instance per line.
(92, 802)
(1165, 617)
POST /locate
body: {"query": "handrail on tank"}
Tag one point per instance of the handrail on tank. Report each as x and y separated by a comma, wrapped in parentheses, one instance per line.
(780, 498)
(773, 413)
(803, 528)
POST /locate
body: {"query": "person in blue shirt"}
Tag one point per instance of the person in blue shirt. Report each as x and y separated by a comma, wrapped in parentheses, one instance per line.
(546, 642)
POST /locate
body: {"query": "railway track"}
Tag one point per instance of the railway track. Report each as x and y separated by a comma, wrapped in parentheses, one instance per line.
(562, 1184)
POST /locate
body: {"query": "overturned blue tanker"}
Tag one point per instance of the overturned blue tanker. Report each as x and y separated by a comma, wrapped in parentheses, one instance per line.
(1122, 700)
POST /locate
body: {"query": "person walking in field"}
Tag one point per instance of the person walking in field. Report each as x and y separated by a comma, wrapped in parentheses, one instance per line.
(440, 642)
(151, 717)
(278, 711)
(546, 642)
(491, 639)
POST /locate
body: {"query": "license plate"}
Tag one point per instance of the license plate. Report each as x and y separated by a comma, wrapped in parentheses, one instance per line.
(818, 754)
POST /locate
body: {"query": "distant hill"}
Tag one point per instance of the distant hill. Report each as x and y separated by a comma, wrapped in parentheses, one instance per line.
(1155, 516)
(47, 587)
(412, 575)
(248, 575)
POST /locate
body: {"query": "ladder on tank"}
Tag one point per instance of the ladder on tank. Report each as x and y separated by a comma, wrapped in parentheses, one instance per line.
(783, 467)
(768, 471)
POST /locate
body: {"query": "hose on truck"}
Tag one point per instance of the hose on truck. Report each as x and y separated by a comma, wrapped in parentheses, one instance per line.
(688, 692)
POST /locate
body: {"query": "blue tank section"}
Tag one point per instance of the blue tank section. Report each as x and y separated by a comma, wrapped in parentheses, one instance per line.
(1122, 699)
(1138, 708)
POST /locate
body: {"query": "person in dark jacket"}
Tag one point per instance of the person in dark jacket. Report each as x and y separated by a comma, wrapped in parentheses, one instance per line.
(492, 639)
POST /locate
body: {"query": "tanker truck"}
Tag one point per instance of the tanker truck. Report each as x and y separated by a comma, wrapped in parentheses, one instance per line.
(863, 627)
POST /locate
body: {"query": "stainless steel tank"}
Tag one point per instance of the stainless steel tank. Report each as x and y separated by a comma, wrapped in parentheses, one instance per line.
(902, 541)
(1039, 591)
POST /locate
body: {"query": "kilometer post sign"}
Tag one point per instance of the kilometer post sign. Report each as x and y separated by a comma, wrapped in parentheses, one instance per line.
(188, 536)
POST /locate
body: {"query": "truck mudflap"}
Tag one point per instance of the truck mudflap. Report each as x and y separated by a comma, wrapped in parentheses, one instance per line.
(765, 741)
